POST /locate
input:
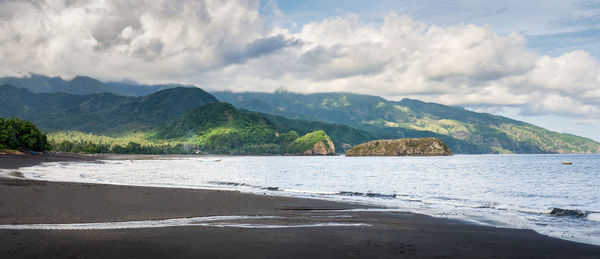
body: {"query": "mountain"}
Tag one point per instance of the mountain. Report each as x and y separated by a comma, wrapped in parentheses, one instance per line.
(221, 128)
(343, 136)
(134, 89)
(83, 85)
(36, 83)
(102, 113)
(109, 110)
(188, 115)
(464, 131)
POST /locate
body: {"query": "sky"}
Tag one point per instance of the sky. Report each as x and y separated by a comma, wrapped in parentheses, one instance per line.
(536, 61)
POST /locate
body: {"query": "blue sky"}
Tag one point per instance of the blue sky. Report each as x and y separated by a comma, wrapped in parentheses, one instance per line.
(551, 27)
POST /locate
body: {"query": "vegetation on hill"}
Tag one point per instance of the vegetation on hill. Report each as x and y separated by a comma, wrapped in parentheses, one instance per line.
(340, 134)
(83, 85)
(186, 116)
(221, 128)
(134, 89)
(104, 113)
(135, 143)
(401, 147)
(316, 142)
(19, 134)
(462, 130)
(349, 119)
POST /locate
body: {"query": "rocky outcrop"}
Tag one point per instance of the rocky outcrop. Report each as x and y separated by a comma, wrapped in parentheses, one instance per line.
(401, 147)
(314, 143)
(320, 149)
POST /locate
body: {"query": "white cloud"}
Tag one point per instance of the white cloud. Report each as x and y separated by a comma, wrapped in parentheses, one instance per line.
(226, 45)
(154, 40)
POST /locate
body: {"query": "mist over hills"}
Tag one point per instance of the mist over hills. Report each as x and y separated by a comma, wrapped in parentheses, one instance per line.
(82, 85)
(89, 105)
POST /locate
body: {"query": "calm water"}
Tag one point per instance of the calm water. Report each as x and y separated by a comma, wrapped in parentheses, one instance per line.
(500, 190)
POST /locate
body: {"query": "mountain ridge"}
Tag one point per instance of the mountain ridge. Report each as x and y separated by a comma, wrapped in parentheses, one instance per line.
(413, 118)
(463, 130)
(82, 85)
(107, 114)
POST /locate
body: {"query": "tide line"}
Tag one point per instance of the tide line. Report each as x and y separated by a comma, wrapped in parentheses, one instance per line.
(212, 221)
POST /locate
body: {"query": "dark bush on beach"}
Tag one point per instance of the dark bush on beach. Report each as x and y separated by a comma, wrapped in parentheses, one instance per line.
(21, 134)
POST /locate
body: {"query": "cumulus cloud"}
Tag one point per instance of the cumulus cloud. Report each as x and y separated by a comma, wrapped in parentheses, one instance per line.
(147, 40)
(226, 45)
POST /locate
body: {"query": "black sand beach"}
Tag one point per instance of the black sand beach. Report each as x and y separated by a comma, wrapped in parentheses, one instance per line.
(389, 234)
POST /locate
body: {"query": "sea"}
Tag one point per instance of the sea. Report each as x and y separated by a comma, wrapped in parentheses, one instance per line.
(514, 191)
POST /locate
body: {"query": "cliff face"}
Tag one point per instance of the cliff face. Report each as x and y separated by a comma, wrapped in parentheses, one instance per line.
(320, 149)
(402, 147)
(314, 143)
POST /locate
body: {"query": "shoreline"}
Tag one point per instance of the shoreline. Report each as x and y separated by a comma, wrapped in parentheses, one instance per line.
(388, 234)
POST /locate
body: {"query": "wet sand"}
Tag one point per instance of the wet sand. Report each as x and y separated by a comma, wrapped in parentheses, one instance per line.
(384, 235)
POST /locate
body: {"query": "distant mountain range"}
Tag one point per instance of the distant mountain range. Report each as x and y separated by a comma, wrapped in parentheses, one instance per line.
(82, 85)
(464, 131)
(185, 114)
(89, 105)
(103, 113)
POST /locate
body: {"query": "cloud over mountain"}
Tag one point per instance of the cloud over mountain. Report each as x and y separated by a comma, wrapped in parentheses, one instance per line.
(227, 45)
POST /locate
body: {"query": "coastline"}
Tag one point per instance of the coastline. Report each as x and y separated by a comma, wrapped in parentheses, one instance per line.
(389, 234)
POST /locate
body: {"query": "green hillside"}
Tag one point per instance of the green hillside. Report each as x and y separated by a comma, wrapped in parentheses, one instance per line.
(103, 113)
(177, 120)
(86, 85)
(464, 131)
(349, 119)
(221, 128)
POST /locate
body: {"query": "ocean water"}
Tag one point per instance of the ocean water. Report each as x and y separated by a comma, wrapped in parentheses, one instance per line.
(517, 191)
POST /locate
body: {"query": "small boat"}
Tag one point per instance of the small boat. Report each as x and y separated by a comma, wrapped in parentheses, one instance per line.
(567, 163)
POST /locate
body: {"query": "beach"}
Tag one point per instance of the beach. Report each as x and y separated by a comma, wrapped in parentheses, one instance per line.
(268, 227)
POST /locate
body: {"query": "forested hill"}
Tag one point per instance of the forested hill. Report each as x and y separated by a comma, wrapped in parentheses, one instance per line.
(102, 113)
(180, 114)
(463, 130)
(89, 105)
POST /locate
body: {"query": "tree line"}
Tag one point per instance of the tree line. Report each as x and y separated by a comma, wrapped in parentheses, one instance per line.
(20, 134)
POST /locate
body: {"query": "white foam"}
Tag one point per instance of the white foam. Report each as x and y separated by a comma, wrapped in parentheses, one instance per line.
(309, 192)
(213, 221)
(593, 217)
(329, 224)
(131, 224)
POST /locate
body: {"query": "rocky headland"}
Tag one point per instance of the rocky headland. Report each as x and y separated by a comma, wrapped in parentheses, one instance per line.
(312, 144)
(401, 147)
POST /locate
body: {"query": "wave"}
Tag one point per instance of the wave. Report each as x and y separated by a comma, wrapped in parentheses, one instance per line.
(593, 217)
(569, 213)
(457, 202)
(367, 194)
(229, 183)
